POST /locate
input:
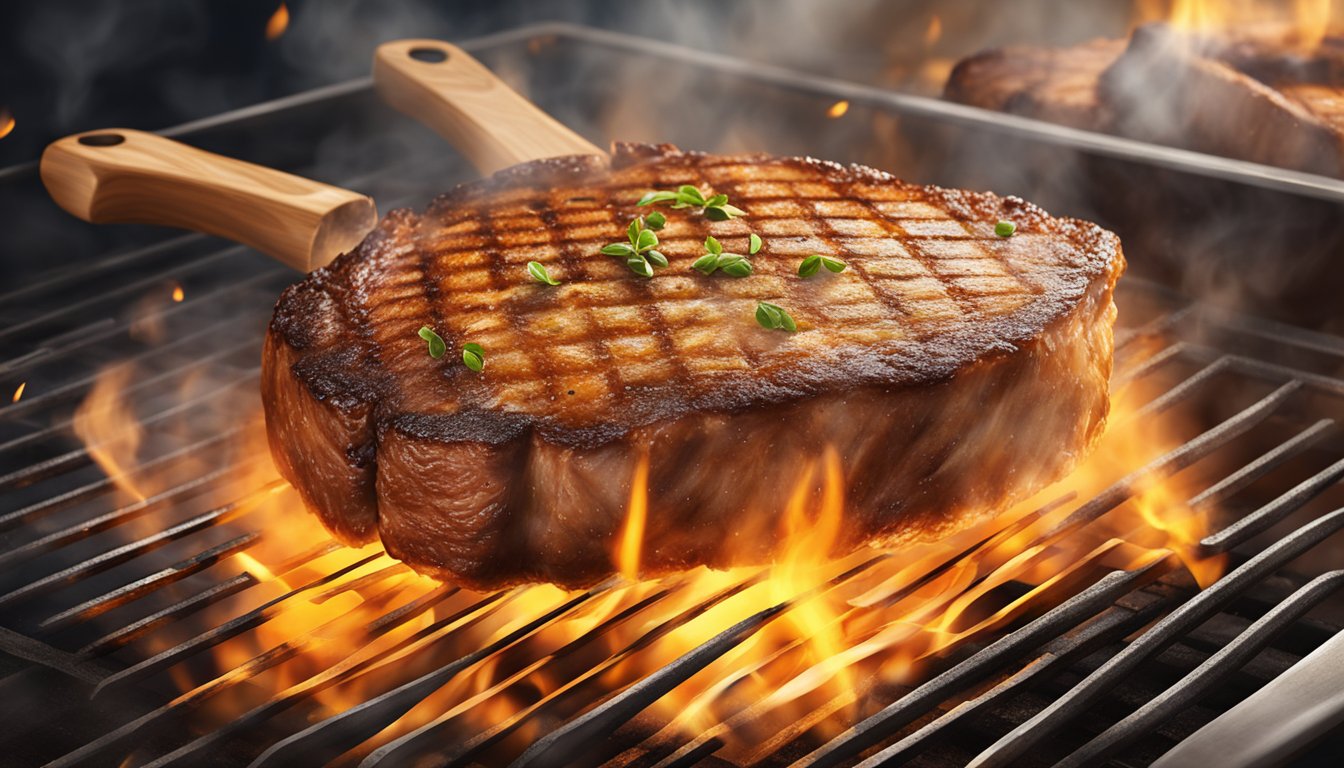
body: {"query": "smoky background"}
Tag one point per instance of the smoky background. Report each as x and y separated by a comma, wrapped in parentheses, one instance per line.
(148, 64)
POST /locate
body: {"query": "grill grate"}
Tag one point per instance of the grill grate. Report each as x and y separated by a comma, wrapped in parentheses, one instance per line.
(114, 613)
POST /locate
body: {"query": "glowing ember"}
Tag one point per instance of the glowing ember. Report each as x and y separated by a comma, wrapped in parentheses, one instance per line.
(178, 295)
(934, 32)
(18, 393)
(838, 108)
(6, 123)
(278, 23)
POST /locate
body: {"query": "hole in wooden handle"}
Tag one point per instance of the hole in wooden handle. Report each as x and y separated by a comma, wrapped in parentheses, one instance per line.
(430, 55)
(102, 139)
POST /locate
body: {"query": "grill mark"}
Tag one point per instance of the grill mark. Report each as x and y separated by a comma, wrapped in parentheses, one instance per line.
(658, 326)
(571, 262)
(964, 301)
(961, 295)
(830, 237)
(495, 268)
(500, 276)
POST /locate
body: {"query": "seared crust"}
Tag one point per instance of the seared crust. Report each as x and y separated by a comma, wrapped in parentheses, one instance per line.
(522, 472)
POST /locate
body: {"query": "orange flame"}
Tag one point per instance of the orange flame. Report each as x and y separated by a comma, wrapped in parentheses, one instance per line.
(632, 535)
(838, 109)
(278, 23)
(6, 123)
(110, 430)
(1303, 23)
(18, 393)
(178, 295)
(808, 666)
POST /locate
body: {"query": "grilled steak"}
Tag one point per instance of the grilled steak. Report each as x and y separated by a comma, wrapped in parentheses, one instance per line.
(952, 371)
(1248, 99)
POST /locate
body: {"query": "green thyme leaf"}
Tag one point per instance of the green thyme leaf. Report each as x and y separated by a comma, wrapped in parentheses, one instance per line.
(639, 253)
(473, 356)
(655, 220)
(712, 245)
(646, 239)
(734, 265)
(754, 244)
(774, 317)
(436, 346)
(691, 194)
(716, 208)
(723, 212)
(1005, 228)
(640, 266)
(809, 266)
(538, 272)
(834, 265)
(654, 198)
(767, 315)
(707, 263)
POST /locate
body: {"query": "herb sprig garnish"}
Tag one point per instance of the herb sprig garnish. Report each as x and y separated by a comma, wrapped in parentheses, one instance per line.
(473, 356)
(436, 346)
(810, 265)
(715, 208)
(774, 317)
(538, 272)
(639, 253)
(716, 258)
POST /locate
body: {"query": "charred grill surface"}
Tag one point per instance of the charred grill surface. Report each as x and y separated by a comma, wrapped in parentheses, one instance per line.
(952, 370)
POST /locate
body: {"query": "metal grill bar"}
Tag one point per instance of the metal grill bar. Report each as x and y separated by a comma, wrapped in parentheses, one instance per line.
(108, 484)
(80, 456)
(141, 587)
(123, 553)
(108, 520)
(1129, 613)
(230, 629)
(1222, 663)
(132, 632)
(1198, 608)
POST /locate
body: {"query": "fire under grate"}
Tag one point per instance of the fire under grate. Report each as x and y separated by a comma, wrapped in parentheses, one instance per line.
(116, 613)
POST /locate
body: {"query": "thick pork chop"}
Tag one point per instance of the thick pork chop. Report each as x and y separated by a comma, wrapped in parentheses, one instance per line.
(952, 371)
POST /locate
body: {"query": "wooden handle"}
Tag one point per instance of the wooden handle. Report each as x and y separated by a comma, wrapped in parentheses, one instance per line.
(120, 175)
(445, 88)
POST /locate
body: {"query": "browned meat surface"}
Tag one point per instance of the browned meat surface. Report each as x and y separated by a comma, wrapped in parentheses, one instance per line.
(952, 371)
(1162, 86)
(1054, 84)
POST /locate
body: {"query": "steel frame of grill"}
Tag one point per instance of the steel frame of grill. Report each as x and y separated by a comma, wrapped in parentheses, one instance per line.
(1117, 605)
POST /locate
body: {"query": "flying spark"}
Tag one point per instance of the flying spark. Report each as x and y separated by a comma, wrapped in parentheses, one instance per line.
(278, 23)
